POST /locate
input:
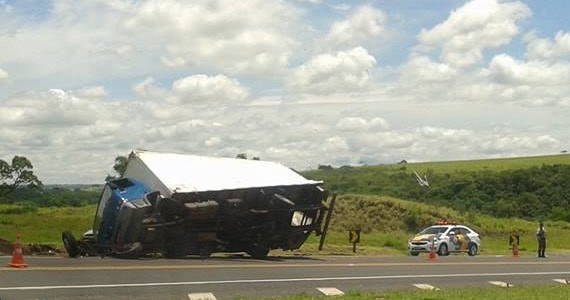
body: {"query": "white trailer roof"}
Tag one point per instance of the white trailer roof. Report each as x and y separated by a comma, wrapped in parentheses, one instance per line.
(181, 173)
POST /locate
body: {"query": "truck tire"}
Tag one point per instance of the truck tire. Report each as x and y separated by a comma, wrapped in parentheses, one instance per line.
(70, 244)
(258, 251)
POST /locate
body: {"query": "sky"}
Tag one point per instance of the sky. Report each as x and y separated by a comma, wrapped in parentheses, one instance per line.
(302, 83)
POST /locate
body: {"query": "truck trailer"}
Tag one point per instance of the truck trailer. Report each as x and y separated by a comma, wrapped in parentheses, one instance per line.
(175, 205)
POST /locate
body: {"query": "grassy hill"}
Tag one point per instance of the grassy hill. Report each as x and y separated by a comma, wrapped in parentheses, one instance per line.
(532, 188)
(493, 164)
(387, 223)
(498, 164)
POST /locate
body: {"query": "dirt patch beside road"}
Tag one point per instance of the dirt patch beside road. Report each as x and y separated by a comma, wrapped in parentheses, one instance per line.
(7, 247)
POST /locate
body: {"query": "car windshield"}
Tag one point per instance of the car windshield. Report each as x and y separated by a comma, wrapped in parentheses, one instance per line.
(433, 230)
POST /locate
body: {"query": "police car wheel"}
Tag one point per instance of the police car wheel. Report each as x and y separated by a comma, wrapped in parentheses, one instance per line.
(414, 253)
(443, 251)
(472, 250)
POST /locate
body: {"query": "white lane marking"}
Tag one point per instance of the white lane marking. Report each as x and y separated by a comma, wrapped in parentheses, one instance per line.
(501, 284)
(202, 296)
(425, 286)
(309, 279)
(267, 265)
(563, 281)
(330, 291)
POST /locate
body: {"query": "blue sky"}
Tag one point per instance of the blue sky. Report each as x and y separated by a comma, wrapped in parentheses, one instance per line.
(298, 82)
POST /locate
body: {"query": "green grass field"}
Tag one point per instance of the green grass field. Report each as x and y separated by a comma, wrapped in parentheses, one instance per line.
(551, 292)
(500, 164)
(44, 225)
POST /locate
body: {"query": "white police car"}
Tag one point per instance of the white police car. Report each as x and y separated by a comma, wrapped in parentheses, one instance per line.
(445, 238)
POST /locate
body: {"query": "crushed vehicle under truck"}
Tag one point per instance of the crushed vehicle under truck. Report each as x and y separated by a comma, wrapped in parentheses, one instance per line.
(178, 205)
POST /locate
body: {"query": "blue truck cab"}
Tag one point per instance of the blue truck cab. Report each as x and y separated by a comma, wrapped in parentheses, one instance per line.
(117, 196)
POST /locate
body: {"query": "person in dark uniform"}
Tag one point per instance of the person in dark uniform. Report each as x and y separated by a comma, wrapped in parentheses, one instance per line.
(541, 239)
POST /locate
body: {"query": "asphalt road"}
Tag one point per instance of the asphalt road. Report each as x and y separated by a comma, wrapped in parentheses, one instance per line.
(232, 276)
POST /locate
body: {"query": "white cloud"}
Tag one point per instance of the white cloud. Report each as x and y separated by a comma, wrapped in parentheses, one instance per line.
(209, 95)
(238, 37)
(507, 70)
(211, 89)
(54, 108)
(361, 124)
(472, 28)
(311, 1)
(545, 49)
(366, 24)
(508, 144)
(77, 43)
(335, 144)
(92, 92)
(147, 89)
(3, 77)
(213, 141)
(341, 6)
(422, 68)
(216, 78)
(343, 71)
(457, 143)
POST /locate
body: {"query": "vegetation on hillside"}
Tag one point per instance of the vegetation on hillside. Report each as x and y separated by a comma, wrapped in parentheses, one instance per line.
(387, 223)
(54, 197)
(533, 192)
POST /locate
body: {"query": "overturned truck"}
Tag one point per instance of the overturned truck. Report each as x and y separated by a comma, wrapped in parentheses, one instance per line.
(177, 205)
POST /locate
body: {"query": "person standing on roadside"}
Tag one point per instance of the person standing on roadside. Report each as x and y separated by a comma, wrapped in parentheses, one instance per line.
(541, 239)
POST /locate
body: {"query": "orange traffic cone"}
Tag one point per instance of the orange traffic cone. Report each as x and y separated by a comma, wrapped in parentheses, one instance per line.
(432, 255)
(18, 255)
(515, 251)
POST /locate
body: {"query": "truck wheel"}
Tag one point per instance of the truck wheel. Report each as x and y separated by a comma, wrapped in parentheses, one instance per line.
(472, 249)
(258, 252)
(174, 250)
(70, 244)
(205, 251)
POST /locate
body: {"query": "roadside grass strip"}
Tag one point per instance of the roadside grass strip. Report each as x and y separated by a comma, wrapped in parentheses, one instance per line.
(502, 284)
(330, 291)
(201, 296)
(563, 281)
(425, 286)
(521, 292)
